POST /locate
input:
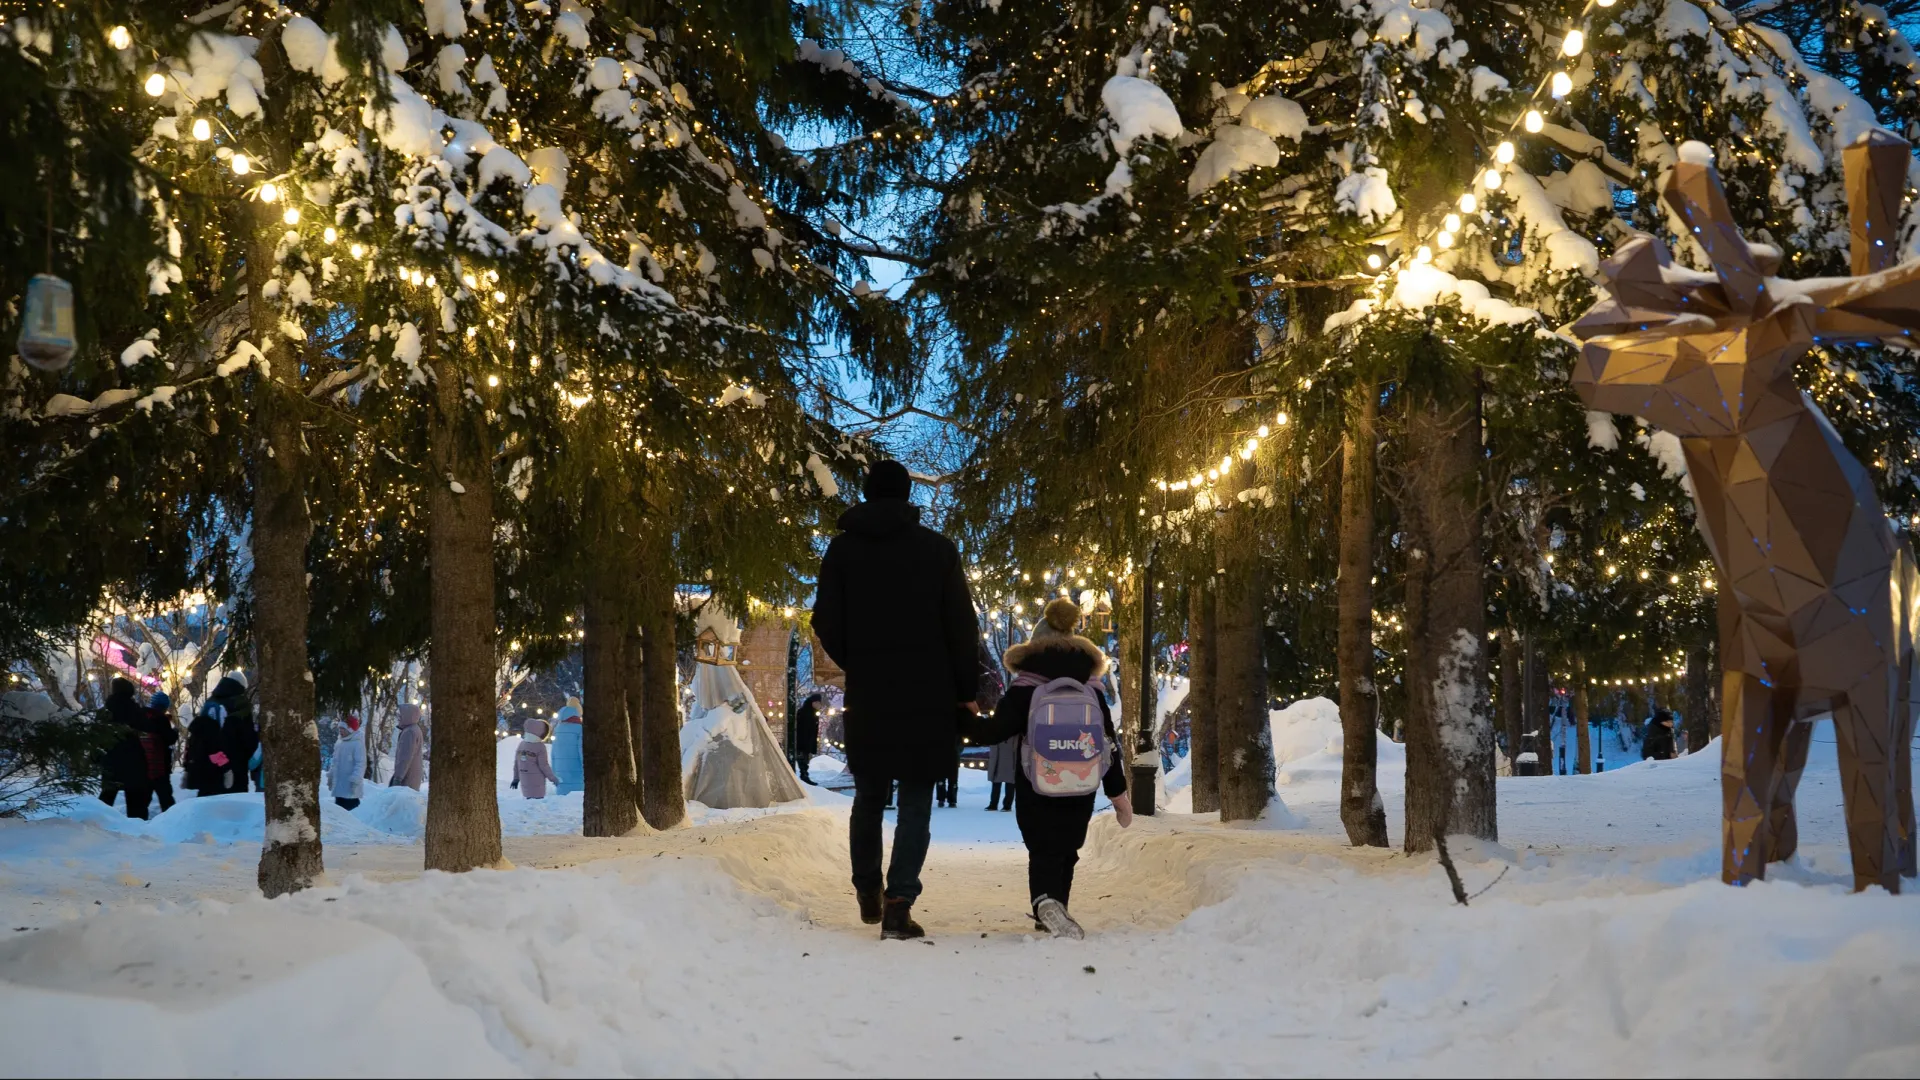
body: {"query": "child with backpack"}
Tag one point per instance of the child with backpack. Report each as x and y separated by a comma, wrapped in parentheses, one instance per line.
(1067, 750)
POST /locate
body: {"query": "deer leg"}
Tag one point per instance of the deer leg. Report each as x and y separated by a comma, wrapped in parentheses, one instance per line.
(1783, 830)
(1865, 731)
(1752, 735)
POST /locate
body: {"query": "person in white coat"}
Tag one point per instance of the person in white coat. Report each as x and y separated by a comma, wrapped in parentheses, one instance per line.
(346, 775)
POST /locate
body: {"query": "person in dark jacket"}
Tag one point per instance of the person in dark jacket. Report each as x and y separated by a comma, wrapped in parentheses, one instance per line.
(1657, 743)
(1054, 826)
(238, 737)
(806, 735)
(124, 769)
(893, 611)
(206, 764)
(157, 736)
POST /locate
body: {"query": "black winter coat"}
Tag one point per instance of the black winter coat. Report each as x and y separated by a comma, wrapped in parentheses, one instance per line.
(126, 761)
(1658, 743)
(237, 735)
(893, 610)
(203, 738)
(806, 731)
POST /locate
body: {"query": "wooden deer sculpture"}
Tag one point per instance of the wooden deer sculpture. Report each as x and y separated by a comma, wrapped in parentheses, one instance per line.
(1820, 599)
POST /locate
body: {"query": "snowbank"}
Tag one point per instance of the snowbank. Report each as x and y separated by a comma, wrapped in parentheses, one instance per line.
(1307, 748)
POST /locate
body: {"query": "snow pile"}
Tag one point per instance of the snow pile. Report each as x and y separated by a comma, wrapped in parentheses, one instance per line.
(218, 819)
(1139, 110)
(1419, 286)
(269, 992)
(1235, 149)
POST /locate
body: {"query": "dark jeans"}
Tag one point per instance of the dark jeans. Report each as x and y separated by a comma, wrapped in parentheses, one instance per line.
(139, 797)
(911, 835)
(163, 788)
(993, 796)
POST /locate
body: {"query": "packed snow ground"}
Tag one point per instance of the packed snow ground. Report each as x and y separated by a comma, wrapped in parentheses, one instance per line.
(1609, 946)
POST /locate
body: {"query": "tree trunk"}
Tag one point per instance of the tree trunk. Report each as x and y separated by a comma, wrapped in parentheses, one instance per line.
(663, 796)
(1538, 705)
(1510, 695)
(1127, 612)
(612, 802)
(290, 857)
(1698, 702)
(1203, 714)
(1449, 727)
(1583, 738)
(463, 805)
(1361, 810)
(1246, 737)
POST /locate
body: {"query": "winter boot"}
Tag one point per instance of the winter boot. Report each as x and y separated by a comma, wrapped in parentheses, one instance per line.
(1053, 915)
(870, 904)
(898, 924)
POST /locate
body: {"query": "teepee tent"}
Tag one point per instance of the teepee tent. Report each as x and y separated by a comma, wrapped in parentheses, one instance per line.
(728, 754)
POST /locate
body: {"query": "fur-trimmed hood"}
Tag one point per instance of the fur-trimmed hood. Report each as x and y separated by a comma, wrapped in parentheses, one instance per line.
(1055, 631)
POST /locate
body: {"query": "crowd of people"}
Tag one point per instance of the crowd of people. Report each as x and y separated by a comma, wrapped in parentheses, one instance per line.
(223, 753)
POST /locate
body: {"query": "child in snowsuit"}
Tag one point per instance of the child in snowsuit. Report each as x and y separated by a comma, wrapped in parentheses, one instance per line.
(1054, 827)
(157, 736)
(530, 765)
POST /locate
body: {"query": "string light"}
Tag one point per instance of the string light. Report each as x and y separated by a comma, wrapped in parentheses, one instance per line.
(156, 84)
(202, 130)
(356, 251)
(120, 38)
(1573, 43)
(1468, 203)
(329, 235)
(1534, 121)
(1561, 86)
(1491, 180)
(241, 166)
(1504, 152)
(292, 216)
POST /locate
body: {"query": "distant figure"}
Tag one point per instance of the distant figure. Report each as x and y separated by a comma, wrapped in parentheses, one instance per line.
(124, 766)
(157, 736)
(1003, 761)
(1657, 744)
(346, 775)
(238, 737)
(893, 610)
(531, 770)
(206, 762)
(806, 736)
(569, 751)
(408, 769)
(1061, 667)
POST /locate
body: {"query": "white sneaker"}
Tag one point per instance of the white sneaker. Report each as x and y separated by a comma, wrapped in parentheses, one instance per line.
(1053, 915)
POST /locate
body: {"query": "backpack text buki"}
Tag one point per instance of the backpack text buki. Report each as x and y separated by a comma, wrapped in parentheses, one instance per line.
(1066, 752)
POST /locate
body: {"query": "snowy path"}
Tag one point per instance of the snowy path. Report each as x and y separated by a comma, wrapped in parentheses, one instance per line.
(733, 948)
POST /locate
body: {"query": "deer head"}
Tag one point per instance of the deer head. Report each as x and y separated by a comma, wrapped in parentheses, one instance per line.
(1702, 354)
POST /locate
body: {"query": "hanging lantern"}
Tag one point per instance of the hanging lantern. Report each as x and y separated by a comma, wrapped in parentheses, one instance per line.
(46, 330)
(709, 649)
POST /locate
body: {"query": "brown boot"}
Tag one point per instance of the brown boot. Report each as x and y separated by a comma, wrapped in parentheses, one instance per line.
(870, 900)
(898, 924)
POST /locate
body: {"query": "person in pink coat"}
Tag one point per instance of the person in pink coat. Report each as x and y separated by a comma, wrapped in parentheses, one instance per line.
(530, 765)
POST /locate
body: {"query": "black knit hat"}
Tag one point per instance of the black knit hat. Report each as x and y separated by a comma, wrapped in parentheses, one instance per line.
(887, 480)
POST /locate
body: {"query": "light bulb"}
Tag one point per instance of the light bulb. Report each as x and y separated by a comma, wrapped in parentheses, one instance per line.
(356, 251)
(1535, 121)
(1281, 420)
(470, 281)
(1562, 84)
(119, 38)
(269, 191)
(1263, 431)
(1226, 463)
(241, 166)
(1373, 260)
(1445, 239)
(493, 380)
(430, 281)
(292, 216)
(202, 130)
(1491, 179)
(1252, 445)
(1423, 254)
(1213, 474)
(499, 297)
(1468, 204)
(1503, 153)
(1451, 223)
(329, 235)
(156, 84)
(1574, 42)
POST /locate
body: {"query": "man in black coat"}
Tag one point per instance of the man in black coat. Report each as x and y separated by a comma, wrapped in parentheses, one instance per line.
(806, 735)
(125, 765)
(238, 737)
(893, 610)
(1658, 741)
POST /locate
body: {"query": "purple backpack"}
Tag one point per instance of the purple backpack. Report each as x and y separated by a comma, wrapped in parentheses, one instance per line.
(1066, 749)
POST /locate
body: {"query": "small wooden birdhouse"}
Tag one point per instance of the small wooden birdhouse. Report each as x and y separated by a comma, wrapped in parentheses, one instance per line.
(709, 649)
(46, 326)
(1101, 617)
